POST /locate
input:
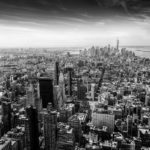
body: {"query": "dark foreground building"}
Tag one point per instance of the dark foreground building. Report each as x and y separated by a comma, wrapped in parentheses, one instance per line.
(46, 91)
(33, 127)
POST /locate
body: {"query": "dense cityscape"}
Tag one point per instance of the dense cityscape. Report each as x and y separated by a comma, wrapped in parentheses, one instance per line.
(96, 99)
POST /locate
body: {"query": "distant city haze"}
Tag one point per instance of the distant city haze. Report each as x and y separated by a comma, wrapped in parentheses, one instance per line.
(76, 35)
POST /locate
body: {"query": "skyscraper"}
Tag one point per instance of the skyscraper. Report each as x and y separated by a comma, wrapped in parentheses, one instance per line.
(30, 96)
(6, 112)
(93, 87)
(56, 75)
(81, 93)
(62, 87)
(33, 127)
(50, 126)
(117, 44)
(57, 96)
(69, 83)
(46, 91)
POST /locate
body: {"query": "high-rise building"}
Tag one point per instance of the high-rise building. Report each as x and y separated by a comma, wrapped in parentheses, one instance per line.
(69, 83)
(30, 100)
(38, 100)
(81, 91)
(58, 97)
(102, 119)
(74, 122)
(62, 88)
(93, 90)
(33, 127)
(56, 76)
(6, 115)
(117, 44)
(46, 91)
(27, 133)
(129, 125)
(147, 99)
(50, 126)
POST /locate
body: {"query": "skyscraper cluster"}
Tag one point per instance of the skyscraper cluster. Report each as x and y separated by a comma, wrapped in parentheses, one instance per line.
(98, 99)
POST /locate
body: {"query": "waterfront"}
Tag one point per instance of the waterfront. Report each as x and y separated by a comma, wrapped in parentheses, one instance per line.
(142, 51)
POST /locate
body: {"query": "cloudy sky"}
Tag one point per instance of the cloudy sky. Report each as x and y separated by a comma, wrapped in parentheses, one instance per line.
(73, 23)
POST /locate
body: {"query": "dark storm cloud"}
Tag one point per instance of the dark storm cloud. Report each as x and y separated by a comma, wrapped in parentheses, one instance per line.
(75, 7)
(59, 22)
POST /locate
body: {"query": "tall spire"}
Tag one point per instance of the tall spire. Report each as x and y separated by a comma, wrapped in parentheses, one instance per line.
(117, 44)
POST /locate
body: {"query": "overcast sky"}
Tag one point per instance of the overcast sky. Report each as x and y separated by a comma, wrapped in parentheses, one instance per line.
(49, 23)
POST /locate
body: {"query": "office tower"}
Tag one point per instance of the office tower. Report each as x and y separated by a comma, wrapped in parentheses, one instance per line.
(102, 119)
(38, 104)
(58, 96)
(1, 129)
(92, 51)
(46, 91)
(6, 115)
(138, 111)
(70, 83)
(81, 93)
(27, 133)
(38, 89)
(85, 82)
(63, 115)
(129, 125)
(7, 83)
(38, 100)
(33, 127)
(30, 100)
(147, 99)
(93, 87)
(56, 75)
(117, 44)
(62, 88)
(74, 122)
(50, 126)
